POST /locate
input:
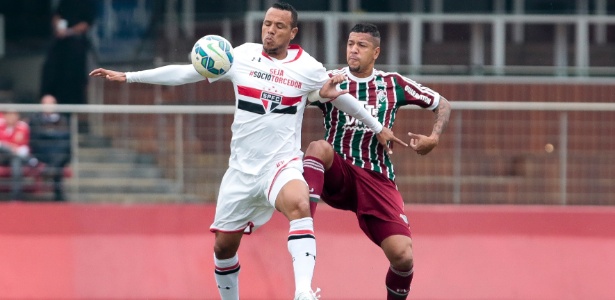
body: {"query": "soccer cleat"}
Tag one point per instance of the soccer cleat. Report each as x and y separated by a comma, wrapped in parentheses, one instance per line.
(308, 295)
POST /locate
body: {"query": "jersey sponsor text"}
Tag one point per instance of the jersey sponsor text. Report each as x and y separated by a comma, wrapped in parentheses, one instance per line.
(275, 78)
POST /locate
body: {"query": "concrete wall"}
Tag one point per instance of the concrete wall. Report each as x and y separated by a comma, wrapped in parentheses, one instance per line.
(76, 251)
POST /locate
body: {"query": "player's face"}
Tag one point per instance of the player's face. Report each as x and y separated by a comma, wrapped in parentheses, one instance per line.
(277, 32)
(362, 51)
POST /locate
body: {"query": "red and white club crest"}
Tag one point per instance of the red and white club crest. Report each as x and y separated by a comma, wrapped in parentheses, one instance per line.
(270, 98)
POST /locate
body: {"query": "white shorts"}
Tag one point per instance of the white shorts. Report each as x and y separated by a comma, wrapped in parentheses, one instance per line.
(246, 201)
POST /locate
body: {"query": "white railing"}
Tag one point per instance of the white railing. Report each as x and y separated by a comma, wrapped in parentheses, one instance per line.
(184, 160)
(333, 23)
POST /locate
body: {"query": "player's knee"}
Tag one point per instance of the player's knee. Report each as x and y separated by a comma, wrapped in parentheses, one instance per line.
(293, 200)
(302, 205)
(223, 251)
(403, 259)
(299, 208)
(320, 149)
(401, 256)
(296, 206)
(226, 247)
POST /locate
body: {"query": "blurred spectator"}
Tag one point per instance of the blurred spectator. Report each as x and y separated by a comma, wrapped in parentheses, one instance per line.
(50, 143)
(65, 71)
(14, 149)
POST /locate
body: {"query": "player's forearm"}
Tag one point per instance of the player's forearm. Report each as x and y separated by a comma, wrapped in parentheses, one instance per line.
(353, 107)
(167, 75)
(443, 112)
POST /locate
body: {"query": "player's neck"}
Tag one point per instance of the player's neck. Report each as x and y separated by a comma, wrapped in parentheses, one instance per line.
(363, 73)
(281, 55)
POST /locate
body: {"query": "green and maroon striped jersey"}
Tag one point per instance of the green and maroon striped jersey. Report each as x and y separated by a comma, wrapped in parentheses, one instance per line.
(382, 94)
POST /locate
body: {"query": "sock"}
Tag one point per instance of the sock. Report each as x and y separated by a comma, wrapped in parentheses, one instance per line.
(302, 248)
(314, 174)
(398, 283)
(227, 277)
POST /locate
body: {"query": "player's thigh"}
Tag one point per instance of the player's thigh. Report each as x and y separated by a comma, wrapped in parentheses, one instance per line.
(287, 189)
(380, 207)
(378, 229)
(339, 190)
(338, 176)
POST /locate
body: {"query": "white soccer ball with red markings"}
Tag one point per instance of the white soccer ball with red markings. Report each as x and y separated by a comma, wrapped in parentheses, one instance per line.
(212, 56)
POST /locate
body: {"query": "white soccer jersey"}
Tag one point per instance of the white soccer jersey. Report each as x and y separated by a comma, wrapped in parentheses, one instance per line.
(270, 97)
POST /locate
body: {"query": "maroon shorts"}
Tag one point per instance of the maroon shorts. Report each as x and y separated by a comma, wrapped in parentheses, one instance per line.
(371, 195)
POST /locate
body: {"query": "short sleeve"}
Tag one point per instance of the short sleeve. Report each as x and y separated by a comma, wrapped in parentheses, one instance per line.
(417, 94)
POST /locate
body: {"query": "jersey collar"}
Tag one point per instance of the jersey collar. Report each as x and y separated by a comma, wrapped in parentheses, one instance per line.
(357, 79)
(290, 47)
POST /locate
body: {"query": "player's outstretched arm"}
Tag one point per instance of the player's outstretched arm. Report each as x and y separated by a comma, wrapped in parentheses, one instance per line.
(424, 144)
(109, 75)
(166, 75)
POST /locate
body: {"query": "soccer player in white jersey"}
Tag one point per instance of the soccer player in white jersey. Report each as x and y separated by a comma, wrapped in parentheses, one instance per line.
(272, 82)
(349, 170)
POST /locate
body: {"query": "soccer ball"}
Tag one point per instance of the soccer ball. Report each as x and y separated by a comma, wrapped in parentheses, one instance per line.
(212, 56)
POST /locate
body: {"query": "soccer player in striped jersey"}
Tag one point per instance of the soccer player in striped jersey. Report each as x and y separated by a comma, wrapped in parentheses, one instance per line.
(271, 81)
(350, 170)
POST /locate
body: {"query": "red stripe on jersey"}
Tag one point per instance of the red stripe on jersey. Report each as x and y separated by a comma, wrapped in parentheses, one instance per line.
(290, 47)
(256, 93)
(249, 92)
(295, 47)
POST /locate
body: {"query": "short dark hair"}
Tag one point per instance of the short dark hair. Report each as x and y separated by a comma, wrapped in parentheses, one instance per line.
(366, 28)
(288, 7)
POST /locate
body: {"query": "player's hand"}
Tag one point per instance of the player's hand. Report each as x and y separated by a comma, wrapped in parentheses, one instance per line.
(422, 144)
(329, 89)
(385, 137)
(109, 75)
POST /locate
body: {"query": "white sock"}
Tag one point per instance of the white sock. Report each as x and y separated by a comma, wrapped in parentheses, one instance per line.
(302, 247)
(227, 277)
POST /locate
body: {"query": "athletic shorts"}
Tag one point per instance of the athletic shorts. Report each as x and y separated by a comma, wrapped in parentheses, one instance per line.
(246, 201)
(371, 195)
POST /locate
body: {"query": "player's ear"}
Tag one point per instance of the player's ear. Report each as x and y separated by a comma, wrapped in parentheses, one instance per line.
(293, 33)
(376, 52)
